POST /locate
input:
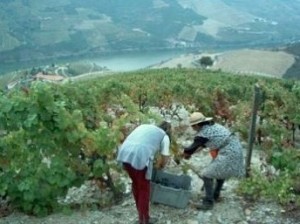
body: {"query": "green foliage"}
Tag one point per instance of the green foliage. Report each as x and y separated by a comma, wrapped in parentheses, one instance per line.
(259, 187)
(286, 160)
(38, 128)
(254, 187)
(284, 188)
(45, 129)
(206, 61)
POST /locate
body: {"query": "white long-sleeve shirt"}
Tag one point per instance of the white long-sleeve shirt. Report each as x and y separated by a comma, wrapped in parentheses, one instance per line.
(140, 147)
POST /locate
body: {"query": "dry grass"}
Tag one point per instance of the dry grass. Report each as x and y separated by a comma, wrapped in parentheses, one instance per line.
(244, 61)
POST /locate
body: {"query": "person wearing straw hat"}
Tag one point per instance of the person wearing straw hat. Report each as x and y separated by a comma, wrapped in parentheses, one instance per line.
(226, 151)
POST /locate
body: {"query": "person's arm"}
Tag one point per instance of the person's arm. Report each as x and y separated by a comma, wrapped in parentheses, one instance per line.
(165, 152)
(198, 142)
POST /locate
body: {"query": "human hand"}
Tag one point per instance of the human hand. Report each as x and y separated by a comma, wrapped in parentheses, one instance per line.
(161, 162)
(177, 159)
(158, 163)
(159, 166)
(186, 156)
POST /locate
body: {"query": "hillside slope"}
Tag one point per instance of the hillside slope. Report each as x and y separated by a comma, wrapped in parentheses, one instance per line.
(232, 208)
(244, 61)
(34, 30)
(294, 70)
(73, 117)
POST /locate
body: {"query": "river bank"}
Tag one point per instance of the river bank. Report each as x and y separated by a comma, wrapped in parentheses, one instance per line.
(124, 61)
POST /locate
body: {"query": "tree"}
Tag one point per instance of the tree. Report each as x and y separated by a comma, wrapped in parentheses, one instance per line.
(206, 61)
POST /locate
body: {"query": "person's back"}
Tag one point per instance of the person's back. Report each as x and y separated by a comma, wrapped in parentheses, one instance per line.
(147, 135)
(215, 133)
(141, 145)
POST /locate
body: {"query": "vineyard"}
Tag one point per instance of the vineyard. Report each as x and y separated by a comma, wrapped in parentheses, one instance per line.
(56, 136)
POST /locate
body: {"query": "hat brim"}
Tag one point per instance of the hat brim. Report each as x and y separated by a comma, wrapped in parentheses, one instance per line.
(200, 121)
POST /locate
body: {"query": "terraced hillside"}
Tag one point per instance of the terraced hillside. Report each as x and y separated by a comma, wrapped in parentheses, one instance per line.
(33, 30)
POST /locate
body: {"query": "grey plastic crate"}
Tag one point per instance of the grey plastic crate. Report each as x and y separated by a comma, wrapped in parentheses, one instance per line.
(170, 189)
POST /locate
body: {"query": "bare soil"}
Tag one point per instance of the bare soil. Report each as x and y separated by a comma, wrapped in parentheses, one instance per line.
(244, 61)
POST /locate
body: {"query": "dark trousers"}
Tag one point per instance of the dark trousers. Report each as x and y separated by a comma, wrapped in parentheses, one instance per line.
(141, 191)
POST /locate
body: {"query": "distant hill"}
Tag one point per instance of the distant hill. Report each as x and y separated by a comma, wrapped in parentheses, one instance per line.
(294, 70)
(32, 30)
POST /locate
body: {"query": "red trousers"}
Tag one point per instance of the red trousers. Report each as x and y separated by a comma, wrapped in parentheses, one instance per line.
(141, 191)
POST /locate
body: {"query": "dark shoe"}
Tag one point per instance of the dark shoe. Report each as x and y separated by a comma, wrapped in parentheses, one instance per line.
(205, 206)
(219, 199)
(152, 220)
(216, 195)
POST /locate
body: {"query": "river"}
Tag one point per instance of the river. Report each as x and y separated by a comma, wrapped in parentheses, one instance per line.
(117, 62)
(134, 61)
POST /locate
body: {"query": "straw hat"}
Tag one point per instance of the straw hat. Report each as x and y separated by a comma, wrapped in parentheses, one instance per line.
(197, 118)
